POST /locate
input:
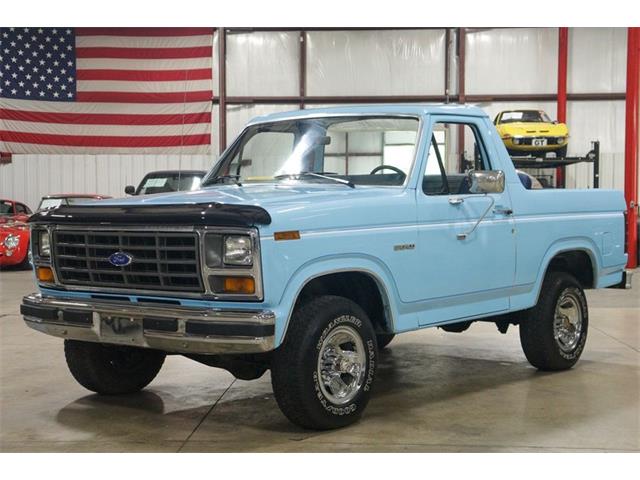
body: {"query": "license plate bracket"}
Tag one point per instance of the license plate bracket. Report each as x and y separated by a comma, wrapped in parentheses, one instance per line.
(121, 329)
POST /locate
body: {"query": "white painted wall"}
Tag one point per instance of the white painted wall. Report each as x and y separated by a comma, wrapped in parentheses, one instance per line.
(29, 177)
(390, 63)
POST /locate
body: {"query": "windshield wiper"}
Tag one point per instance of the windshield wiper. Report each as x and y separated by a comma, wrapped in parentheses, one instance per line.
(219, 178)
(316, 175)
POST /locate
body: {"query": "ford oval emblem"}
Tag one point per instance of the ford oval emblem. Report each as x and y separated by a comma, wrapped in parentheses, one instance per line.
(120, 259)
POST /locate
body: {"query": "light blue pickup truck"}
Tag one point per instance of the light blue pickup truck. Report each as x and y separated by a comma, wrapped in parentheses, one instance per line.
(317, 237)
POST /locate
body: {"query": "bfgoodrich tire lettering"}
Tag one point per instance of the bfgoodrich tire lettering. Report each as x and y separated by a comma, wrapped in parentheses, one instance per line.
(554, 332)
(300, 365)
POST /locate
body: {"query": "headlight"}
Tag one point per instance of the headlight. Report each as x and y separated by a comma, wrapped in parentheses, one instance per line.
(44, 246)
(560, 139)
(12, 241)
(516, 141)
(237, 250)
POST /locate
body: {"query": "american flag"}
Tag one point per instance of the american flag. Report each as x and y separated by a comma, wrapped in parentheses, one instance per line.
(105, 90)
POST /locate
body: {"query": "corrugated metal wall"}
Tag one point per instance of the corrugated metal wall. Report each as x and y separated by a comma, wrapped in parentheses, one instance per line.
(29, 177)
(500, 61)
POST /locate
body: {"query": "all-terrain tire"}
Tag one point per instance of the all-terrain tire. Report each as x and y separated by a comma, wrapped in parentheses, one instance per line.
(384, 339)
(111, 369)
(296, 366)
(537, 333)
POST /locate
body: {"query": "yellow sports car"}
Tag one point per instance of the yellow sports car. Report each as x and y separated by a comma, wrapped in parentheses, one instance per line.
(531, 132)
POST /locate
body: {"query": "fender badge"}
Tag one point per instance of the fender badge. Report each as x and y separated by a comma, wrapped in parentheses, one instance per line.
(404, 246)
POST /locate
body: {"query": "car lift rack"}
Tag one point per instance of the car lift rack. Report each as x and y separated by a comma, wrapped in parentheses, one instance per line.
(593, 156)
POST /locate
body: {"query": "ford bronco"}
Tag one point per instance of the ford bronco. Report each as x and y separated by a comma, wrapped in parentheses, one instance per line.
(317, 237)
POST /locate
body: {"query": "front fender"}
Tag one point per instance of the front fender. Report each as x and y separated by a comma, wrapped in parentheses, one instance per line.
(333, 264)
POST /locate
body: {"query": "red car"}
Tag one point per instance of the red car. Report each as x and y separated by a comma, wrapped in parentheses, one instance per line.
(12, 211)
(14, 244)
(55, 200)
(14, 233)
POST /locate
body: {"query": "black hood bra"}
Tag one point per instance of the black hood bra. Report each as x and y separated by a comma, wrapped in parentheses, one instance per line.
(199, 214)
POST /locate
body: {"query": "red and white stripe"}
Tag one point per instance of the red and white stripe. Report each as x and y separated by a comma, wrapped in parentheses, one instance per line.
(139, 90)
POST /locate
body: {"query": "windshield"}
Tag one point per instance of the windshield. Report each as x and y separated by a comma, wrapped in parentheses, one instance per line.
(6, 208)
(48, 203)
(528, 116)
(173, 182)
(341, 150)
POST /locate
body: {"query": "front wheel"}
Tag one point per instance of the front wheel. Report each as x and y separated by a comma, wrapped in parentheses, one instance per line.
(554, 332)
(111, 369)
(323, 373)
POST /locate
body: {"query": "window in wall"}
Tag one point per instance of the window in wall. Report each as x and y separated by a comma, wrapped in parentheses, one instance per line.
(455, 149)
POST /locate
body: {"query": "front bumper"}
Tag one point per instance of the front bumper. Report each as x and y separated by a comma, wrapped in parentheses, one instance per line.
(169, 328)
(525, 143)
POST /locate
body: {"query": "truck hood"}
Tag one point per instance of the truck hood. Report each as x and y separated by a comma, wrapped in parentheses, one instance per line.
(533, 128)
(296, 204)
(272, 197)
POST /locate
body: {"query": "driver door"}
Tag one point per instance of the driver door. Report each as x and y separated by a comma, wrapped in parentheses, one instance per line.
(464, 276)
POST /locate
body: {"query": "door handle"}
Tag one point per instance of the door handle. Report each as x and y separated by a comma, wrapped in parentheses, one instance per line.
(456, 201)
(503, 210)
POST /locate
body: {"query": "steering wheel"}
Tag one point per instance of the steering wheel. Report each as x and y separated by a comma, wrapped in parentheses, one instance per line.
(387, 167)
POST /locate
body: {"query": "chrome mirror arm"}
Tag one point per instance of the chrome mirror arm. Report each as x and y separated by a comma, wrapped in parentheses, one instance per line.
(463, 236)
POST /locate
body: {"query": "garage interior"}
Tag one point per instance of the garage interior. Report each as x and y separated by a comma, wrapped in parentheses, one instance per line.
(435, 391)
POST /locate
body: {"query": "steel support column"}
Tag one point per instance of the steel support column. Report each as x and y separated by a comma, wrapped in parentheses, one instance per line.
(632, 110)
(563, 54)
(461, 90)
(222, 88)
(302, 68)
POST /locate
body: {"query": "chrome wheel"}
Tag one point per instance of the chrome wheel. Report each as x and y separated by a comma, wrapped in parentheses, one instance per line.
(567, 322)
(341, 365)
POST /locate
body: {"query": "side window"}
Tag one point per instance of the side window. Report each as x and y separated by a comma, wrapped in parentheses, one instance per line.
(20, 208)
(456, 148)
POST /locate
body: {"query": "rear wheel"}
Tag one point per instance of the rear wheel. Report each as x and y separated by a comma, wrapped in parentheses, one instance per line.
(554, 332)
(323, 373)
(111, 369)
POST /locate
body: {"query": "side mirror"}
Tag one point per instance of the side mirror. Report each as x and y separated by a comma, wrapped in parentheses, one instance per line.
(130, 190)
(488, 181)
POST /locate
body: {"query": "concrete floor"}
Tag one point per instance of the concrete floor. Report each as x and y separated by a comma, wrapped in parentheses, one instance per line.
(435, 392)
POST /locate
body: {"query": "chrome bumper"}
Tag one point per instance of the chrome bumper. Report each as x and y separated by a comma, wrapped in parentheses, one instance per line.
(169, 328)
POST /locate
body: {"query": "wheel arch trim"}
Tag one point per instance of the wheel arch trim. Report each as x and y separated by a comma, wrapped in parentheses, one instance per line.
(310, 271)
(577, 244)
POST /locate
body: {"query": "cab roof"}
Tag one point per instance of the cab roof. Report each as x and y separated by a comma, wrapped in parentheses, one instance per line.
(375, 109)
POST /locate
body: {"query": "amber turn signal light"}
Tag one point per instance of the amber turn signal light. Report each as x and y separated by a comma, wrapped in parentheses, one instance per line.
(288, 235)
(246, 285)
(45, 274)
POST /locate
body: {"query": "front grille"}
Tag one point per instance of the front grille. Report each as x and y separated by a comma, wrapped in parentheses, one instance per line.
(167, 261)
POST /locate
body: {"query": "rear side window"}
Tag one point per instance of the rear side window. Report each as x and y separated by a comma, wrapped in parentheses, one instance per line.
(6, 208)
(455, 149)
